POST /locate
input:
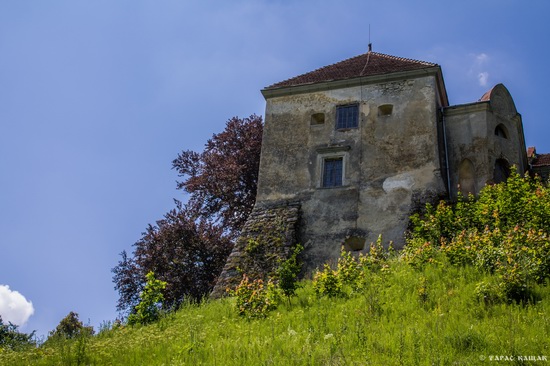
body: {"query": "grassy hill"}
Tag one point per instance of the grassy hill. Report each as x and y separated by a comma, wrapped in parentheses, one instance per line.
(402, 316)
(470, 288)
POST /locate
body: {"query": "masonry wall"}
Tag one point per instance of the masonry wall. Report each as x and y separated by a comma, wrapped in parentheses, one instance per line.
(391, 162)
(476, 146)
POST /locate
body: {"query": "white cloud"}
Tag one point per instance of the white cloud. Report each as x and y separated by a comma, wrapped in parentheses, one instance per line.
(14, 307)
(483, 78)
(482, 58)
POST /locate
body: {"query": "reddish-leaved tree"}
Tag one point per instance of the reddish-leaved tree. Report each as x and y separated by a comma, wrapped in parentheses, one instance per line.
(188, 248)
(222, 180)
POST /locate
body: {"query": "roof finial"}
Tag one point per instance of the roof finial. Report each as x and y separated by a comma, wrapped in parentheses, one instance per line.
(370, 47)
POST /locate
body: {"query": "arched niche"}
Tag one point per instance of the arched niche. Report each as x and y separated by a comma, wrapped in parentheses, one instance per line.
(466, 177)
(502, 131)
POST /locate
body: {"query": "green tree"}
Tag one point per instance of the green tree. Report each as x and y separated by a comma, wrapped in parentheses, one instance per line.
(149, 308)
(71, 327)
(11, 338)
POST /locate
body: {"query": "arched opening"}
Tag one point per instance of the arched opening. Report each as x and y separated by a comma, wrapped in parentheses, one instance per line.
(502, 171)
(501, 131)
(467, 178)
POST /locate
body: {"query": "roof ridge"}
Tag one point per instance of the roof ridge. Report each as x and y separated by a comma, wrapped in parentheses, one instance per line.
(404, 58)
(366, 64)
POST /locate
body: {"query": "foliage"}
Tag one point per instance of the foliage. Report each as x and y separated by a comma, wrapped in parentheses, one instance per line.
(186, 252)
(288, 272)
(151, 298)
(71, 327)
(12, 339)
(222, 179)
(353, 273)
(328, 283)
(255, 299)
(188, 248)
(505, 232)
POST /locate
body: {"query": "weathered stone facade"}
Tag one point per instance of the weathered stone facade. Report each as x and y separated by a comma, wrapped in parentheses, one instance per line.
(484, 139)
(362, 143)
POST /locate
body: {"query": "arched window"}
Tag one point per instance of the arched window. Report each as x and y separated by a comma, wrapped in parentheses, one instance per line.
(467, 177)
(501, 131)
(502, 171)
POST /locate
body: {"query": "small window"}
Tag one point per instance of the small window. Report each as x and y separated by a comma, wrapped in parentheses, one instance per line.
(385, 110)
(347, 116)
(332, 172)
(354, 243)
(317, 119)
(500, 131)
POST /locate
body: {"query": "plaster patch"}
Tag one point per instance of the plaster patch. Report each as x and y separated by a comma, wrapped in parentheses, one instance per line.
(404, 181)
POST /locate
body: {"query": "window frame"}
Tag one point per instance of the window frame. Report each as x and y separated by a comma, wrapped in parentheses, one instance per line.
(336, 166)
(331, 153)
(348, 122)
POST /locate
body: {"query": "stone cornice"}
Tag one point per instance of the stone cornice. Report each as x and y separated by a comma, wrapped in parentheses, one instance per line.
(353, 82)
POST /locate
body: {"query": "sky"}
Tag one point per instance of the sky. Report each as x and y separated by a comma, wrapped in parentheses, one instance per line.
(98, 97)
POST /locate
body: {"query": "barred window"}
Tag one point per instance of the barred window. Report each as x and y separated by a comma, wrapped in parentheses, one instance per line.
(332, 172)
(347, 116)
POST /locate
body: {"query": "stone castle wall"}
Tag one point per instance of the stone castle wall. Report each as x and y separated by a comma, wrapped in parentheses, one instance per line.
(268, 237)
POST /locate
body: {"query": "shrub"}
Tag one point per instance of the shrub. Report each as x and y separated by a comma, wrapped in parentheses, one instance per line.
(149, 308)
(504, 232)
(288, 272)
(328, 283)
(255, 299)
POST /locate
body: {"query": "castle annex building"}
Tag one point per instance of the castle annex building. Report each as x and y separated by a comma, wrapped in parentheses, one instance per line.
(360, 143)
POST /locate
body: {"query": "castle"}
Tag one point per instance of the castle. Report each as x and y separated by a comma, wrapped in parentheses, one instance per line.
(356, 146)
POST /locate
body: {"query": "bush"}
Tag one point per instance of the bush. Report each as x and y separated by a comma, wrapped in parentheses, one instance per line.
(255, 299)
(328, 283)
(149, 308)
(288, 272)
(505, 231)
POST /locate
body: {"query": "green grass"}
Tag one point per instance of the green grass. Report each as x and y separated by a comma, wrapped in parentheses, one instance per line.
(404, 317)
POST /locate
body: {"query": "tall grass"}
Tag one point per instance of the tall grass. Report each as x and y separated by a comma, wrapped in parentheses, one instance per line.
(405, 317)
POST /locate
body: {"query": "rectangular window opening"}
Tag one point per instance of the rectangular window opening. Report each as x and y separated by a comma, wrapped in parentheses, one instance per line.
(347, 116)
(332, 172)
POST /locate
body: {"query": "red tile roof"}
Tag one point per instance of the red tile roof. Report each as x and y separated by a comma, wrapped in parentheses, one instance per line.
(487, 96)
(531, 151)
(541, 160)
(367, 64)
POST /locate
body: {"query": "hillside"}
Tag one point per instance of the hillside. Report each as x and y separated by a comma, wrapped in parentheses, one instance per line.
(403, 316)
(470, 287)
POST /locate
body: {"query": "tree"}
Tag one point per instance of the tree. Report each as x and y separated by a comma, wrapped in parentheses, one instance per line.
(11, 338)
(188, 248)
(71, 327)
(150, 301)
(222, 180)
(185, 251)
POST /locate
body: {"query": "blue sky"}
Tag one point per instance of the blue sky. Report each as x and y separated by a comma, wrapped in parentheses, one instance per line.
(98, 97)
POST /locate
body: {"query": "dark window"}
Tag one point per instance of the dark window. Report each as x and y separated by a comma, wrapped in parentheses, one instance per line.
(347, 116)
(385, 110)
(502, 171)
(317, 119)
(332, 172)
